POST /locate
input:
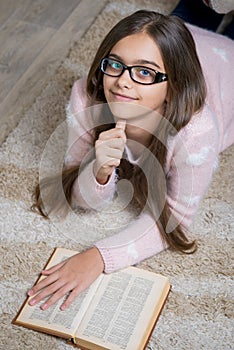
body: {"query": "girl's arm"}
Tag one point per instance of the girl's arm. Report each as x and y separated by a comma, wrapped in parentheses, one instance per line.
(138, 241)
(192, 159)
(96, 183)
(193, 162)
(87, 191)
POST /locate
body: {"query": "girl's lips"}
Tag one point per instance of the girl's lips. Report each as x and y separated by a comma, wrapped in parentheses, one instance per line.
(120, 97)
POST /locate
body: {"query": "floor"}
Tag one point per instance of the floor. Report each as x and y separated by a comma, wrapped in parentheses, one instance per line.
(35, 36)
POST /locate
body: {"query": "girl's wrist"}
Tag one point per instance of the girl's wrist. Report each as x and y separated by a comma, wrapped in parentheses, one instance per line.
(103, 180)
(100, 178)
(98, 257)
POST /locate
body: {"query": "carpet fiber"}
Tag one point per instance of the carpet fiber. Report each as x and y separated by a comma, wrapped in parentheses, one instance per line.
(199, 312)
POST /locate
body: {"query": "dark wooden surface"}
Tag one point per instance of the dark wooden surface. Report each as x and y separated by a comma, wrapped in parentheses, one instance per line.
(35, 36)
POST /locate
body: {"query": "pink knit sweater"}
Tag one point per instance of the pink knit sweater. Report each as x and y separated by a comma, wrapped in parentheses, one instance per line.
(191, 159)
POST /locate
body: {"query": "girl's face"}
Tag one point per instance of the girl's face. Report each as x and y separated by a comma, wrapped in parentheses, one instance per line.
(136, 49)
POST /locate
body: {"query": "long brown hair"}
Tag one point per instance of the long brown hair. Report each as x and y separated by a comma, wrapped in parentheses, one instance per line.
(186, 96)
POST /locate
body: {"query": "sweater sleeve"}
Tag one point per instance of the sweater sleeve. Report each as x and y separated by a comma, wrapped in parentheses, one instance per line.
(192, 158)
(87, 192)
(140, 240)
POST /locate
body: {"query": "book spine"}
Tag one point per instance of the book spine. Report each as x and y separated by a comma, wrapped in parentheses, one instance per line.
(72, 341)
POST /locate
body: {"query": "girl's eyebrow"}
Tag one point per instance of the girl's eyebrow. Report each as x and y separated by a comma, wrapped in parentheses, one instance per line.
(140, 61)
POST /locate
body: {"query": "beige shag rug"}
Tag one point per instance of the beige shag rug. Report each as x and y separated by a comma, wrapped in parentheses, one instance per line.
(199, 312)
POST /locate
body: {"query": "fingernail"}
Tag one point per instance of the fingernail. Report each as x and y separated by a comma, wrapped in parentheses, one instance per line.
(63, 307)
(30, 292)
(44, 306)
(32, 302)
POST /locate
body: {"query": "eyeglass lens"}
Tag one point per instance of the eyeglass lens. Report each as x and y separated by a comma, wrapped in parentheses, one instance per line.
(139, 74)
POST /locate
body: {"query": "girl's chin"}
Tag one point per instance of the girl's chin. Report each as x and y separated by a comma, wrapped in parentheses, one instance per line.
(126, 110)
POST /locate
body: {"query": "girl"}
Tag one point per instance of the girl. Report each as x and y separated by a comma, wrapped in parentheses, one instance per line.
(178, 114)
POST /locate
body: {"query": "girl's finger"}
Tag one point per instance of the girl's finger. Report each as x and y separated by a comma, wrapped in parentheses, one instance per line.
(72, 296)
(52, 269)
(121, 124)
(42, 284)
(112, 133)
(56, 296)
(50, 290)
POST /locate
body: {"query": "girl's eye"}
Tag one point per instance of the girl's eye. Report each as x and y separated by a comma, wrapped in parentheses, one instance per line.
(144, 72)
(115, 65)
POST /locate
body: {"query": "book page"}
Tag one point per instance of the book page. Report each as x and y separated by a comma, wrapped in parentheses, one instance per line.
(125, 306)
(53, 318)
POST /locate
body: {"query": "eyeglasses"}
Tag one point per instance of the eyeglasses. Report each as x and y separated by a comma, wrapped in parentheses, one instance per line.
(139, 74)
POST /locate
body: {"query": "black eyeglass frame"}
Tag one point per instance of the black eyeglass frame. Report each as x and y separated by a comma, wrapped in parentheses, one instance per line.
(159, 78)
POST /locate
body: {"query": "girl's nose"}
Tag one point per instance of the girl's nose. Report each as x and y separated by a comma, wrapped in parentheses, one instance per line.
(125, 80)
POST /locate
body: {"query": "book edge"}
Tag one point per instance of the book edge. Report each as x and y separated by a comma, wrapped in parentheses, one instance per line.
(15, 321)
(157, 316)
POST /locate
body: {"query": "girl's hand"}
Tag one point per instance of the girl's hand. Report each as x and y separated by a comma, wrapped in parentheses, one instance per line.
(109, 150)
(72, 275)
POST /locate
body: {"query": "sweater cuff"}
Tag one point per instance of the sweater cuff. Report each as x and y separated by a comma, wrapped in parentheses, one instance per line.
(95, 195)
(117, 258)
(138, 241)
(107, 257)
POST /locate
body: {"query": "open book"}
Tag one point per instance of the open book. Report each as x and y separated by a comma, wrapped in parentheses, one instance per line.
(118, 311)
